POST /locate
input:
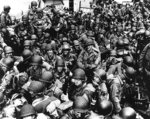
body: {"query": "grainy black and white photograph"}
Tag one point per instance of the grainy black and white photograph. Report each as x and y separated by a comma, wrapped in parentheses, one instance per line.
(74, 59)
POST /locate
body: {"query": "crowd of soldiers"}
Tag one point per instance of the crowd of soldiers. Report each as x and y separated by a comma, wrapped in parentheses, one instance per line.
(60, 64)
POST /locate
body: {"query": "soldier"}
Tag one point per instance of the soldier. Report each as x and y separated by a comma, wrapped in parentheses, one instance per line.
(79, 85)
(77, 48)
(43, 103)
(73, 35)
(50, 55)
(42, 21)
(24, 28)
(115, 84)
(104, 109)
(68, 57)
(80, 109)
(5, 19)
(99, 83)
(89, 58)
(129, 113)
(32, 11)
(25, 64)
(28, 111)
(37, 67)
(27, 44)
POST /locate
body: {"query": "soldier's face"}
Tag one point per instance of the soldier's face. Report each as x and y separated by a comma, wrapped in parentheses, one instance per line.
(39, 33)
(79, 115)
(88, 48)
(27, 47)
(9, 54)
(34, 8)
(24, 21)
(60, 69)
(65, 52)
(76, 82)
(96, 80)
(50, 54)
(77, 47)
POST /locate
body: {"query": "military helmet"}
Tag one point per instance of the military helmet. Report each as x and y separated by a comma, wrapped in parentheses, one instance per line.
(8, 49)
(101, 73)
(81, 104)
(64, 117)
(128, 60)
(126, 41)
(48, 47)
(73, 27)
(130, 72)
(81, 27)
(26, 53)
(33, 3)
(89, 41)
(147, 33)
(27, 110)
(36, 86)
(90, 33)
(60, 62)
(4, 30)
(43, 47)
(27, 43)
(104, 107)
(64, 39)
(34, 37)
(6, 8)
(47, 77)
(8, 62)
(24, 17)
(46, 35)
(76, 42)
(54, 45)
(120, 43)
(127, 113)
(39, 10)
(79, 74)
(66, 46)
(36, 60)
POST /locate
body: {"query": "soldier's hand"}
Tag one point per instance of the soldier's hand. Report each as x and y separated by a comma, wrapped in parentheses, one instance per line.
(64, 97)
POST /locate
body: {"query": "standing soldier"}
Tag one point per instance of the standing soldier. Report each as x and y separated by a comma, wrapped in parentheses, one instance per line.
(89, 58)
(5, 18)
(32, 11)
(69, 58)
(41, 21)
